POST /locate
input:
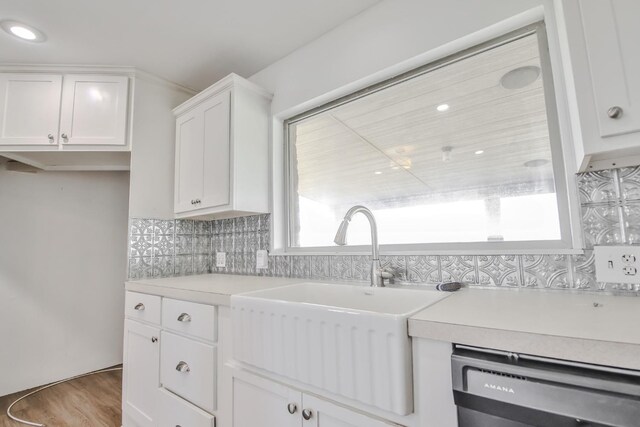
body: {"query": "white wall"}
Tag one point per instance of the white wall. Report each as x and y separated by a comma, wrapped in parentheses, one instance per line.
(63, 241)
(153, 148)
(382, 36)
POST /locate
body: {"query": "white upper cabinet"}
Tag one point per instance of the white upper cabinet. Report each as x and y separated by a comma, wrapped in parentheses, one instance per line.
(29, 108)
(602, 37)
(94, 110)
(55, 111)
(222, 143)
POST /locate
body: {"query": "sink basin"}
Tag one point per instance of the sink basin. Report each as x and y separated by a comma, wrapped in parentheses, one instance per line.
(344, 341)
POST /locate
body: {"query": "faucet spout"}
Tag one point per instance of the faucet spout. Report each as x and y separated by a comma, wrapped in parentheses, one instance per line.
(377, 274)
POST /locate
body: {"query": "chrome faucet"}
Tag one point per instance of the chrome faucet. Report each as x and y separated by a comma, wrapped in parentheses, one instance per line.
(378, 274)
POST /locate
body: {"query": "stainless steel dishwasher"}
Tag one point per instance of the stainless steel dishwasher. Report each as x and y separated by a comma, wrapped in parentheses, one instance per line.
(500, 389)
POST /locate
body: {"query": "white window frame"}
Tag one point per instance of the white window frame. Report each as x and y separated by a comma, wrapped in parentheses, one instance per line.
(561, 148)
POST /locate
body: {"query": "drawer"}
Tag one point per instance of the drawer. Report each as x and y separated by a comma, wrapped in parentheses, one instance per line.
(142, 307)
(188, 368)
(175, 411)
(189, 318)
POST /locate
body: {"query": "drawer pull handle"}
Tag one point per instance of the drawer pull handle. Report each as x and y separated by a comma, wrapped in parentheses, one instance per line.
(307, 414)
(615, 112)
(292, 408)
(154, 339)
(139, 307)
(184, 317)
(183, 367)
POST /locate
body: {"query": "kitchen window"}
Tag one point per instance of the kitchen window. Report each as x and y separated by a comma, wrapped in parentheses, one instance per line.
(463, 153)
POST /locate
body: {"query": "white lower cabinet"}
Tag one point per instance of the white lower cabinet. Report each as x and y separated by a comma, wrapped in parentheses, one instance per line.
(175, 411)
(261, 402)
(141, 375)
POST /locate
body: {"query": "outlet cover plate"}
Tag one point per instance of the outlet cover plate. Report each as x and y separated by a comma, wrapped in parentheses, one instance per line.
(262, 259)
(617, 264)
(221, 259)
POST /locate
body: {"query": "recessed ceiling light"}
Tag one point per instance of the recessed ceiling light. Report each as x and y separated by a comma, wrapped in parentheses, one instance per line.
(479, 152)
(23, 31)
(378, 173)
(520, 77)
(442, 107)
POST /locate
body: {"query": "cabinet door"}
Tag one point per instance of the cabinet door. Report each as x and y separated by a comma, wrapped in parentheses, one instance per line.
(29, 108)
(260, 402)
(611, 34)
(322, 413)
(94, 110)
(189, 162)
(217, 151)
(141, 376)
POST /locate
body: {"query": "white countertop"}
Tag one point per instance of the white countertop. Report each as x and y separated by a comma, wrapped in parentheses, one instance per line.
(557, 324)
(213, 289)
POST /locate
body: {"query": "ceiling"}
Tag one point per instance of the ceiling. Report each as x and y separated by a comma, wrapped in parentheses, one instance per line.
(190, 42)
(388, 146)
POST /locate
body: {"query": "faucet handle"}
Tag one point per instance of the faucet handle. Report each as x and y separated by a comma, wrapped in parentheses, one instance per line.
(386, 274)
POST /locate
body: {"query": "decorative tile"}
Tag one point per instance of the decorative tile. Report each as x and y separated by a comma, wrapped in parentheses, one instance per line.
(361, 267)
(201, 244)
(264, 239)
(397, 264)
(545, 271)
(184, 226)
(423, 269)
(458, 269)
(141, 226)
(280, 267)
(601, 225)
(300, 266)
(141, 245)
(631, 214)
(320, 267)
(202, 227)
(584, 271)
(163, 266)
(183, 265)
(163, 245)
(597, 187)
(239, 225)
(183, 244)
(498, 270)
(227, 226)
(264, 222)
(202, 264)
(140, 267)
(161, 226)
(340, 267)
(249, 266)
(630, 183)
(252, 223)
(216, 226)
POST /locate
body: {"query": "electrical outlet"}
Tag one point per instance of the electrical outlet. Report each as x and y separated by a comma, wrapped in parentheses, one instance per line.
(221, 259)
(617, 264)
(262, 259)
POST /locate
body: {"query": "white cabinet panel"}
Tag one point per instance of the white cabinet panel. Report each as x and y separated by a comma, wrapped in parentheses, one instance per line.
(140, 373)
(325, 414)
(189, 162)
(176, 412)
(189, 318)
(29, 108)
(142, 307)
(94, 110)
(188, 368)
(260, 402)
(216, 154)
(611, 33)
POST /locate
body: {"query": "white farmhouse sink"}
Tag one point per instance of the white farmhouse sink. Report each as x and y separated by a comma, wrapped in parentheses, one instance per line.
(348, 341)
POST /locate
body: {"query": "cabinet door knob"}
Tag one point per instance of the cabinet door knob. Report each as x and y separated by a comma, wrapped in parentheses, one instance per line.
(292, 408)
(184, 317)
(615, 112)
(307, 414)
(154, 339)
(183, 367)
(139, 306)
(65, 138)
(50, 136)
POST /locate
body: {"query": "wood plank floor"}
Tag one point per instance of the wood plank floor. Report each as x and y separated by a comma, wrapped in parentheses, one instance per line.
(93, 401)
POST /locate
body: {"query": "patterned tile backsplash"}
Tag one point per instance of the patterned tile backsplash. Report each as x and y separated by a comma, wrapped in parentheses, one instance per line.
(610, 202)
